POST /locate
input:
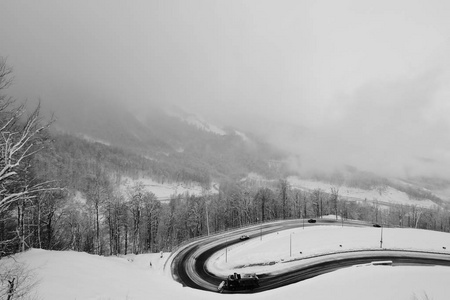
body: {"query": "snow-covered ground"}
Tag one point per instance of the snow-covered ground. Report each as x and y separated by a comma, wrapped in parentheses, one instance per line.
(280, 250)
(389, 195)
(163, 191)
(74, 275)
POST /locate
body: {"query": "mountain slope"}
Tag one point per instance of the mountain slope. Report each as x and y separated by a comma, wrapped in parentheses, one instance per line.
(178, 143)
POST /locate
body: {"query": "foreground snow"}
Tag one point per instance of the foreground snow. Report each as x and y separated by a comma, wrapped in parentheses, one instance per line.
(74, 275)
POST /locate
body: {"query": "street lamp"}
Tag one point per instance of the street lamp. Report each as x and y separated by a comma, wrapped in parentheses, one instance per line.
(260, 234)
(290, 245)
(381, 240)
(226, 250)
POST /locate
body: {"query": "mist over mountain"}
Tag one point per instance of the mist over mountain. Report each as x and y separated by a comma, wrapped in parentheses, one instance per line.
(328, 84)
(173, 137)
(188, 142)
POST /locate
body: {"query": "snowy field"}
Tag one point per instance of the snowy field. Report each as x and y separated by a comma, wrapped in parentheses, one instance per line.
(163, 191)
(389, 195)
(74, 275)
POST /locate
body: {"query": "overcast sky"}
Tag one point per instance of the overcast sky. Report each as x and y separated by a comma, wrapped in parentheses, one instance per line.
(365, 83)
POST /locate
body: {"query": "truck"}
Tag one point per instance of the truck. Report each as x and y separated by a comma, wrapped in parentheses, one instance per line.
(238, 282)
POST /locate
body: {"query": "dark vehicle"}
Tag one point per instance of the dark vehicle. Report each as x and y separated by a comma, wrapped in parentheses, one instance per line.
(376, 225)
(244, 237)
(236, 282)
(311, 221)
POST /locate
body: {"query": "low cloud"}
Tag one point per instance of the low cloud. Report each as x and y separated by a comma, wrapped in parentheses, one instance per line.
(393, 128)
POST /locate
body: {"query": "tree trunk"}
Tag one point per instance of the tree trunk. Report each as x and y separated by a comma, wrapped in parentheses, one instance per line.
(49, 229)
(97, 223)
(11, 289)
(39, 224)
(126, 240)
(20, 224)
(111, 232)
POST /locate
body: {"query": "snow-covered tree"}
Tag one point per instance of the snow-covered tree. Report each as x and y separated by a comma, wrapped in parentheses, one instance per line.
(21, 137)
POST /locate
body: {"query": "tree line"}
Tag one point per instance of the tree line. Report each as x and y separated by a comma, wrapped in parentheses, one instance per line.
(60, 192)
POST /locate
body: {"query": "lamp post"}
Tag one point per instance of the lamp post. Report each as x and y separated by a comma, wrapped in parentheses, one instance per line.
(207, 218)
(226, 251)
(260, 234)
(290, 245)
(381, 239)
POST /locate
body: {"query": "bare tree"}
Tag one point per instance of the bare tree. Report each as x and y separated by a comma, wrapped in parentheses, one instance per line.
(262, 199)
(334, 199)
(316, 197)
(98, 191)
(152, 211)
(17, 281)
(137, 197)
(21, 137)
(284, 196)
(5, 82)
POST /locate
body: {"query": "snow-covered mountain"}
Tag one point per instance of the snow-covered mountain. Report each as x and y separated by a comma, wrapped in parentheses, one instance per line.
(182, 144)
(194, 120)
(376, 190)
(179, 144)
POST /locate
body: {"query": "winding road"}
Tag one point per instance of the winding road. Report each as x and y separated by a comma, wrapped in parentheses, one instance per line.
(189, 263)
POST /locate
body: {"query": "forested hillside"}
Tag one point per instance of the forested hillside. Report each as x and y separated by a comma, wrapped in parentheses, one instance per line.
(83, 210)
(60, 182)
(184, 150)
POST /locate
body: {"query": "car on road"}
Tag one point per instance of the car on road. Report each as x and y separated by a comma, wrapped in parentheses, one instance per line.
(244, 237)
(311, 221)
(376, 225)
(236, 282)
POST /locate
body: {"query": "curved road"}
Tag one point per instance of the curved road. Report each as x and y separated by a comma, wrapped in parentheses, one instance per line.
(189, 263)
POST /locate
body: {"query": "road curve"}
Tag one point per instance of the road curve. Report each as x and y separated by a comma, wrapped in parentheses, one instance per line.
(188, 264)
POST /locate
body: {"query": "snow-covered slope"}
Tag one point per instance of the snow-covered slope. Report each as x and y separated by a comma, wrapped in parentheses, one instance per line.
(243, 136)
(195, 120)
(384, 195)
(81, 276)
(163, 191)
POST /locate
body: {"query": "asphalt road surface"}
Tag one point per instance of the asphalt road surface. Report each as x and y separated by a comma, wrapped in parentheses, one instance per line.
(188, 264)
